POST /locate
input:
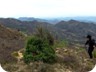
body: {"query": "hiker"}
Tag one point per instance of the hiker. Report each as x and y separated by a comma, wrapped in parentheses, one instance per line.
(90, 43)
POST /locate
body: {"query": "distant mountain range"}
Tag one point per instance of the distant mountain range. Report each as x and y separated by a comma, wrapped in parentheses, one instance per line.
(82, 19)
(52, 21)
(72, 30)
(56, 20)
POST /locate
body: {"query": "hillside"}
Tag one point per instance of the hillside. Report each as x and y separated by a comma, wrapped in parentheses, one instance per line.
(25, 26)
(68, 58)
(10, 40)
(73, 31)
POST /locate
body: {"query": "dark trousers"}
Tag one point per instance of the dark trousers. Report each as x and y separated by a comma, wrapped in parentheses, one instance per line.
(90, 50)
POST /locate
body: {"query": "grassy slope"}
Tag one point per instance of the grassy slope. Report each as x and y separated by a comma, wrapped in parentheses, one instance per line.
(10, 40)
(69, 59)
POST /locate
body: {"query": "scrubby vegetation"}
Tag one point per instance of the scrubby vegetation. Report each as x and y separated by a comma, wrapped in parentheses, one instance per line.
(40, 51)
(10, 41)
(39, 48)
(94, 53)
(61, 43)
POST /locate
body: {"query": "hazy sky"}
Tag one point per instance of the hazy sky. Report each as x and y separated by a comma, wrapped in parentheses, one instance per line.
(47, 8)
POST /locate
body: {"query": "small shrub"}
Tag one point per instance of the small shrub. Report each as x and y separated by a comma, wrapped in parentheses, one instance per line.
(94, 54)
(38, 49)
(45, 35)
(50, 38)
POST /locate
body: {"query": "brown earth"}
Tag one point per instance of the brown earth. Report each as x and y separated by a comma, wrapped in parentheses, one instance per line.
(10, 40)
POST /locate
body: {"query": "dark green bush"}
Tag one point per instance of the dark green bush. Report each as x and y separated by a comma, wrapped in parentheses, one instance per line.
(45, 35)
(38, 49)
(50, 38)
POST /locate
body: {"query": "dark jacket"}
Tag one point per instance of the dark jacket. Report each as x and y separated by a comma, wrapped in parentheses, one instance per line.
(90, 43)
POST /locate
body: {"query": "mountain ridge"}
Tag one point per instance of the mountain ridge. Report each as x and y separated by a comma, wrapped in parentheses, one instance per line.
(71, 30)
(87, 19)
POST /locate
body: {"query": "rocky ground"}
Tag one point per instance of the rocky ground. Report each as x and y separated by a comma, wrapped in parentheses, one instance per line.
(67, 60)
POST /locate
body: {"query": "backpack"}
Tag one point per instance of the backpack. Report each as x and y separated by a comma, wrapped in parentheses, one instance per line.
(94, 42)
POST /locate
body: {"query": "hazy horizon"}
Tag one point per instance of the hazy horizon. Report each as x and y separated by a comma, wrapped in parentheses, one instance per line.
(47, 8)
(49, 17)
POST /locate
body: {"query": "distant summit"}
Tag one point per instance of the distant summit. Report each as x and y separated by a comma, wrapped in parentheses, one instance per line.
(30, 19)
(82, 19)
(56, 20)
(52, 21)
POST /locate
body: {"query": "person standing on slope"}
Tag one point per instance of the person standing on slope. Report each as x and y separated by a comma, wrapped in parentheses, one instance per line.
(91, 43)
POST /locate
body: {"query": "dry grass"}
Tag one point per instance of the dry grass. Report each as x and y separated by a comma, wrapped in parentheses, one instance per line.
(10, 40)
(71, 59)
(68, 60)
